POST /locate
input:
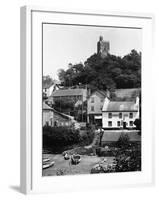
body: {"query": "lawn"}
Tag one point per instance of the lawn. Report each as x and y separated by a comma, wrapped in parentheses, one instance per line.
(84, 167)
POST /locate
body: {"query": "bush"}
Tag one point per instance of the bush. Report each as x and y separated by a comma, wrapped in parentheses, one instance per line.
(129, 160)
(123, 141)
(87, 138)
(106, 152)
(60, 136)
(137, 123)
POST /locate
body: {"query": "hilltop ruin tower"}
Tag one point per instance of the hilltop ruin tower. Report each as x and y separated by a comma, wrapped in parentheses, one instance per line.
(103, 47)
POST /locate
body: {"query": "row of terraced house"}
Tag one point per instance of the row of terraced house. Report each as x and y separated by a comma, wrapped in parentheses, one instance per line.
(103, 109)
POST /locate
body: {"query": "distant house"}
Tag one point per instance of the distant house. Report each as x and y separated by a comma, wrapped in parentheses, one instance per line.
(48, 88)
(119, 114)
(70, 94)
(126, 94)
(51, 117)
(95, 105)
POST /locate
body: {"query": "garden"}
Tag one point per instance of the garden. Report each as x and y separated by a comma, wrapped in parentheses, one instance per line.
(120, 156)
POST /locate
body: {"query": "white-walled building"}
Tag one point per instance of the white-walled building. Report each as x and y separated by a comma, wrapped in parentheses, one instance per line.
(117, 114)
(49, 88)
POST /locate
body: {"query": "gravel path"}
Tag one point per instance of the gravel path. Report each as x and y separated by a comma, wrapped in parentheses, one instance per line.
(84, 167)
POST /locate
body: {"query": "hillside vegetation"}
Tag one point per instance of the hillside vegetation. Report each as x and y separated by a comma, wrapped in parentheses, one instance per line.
(104, 73)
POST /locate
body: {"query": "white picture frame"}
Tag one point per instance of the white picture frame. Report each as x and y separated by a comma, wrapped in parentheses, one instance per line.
(31, 103)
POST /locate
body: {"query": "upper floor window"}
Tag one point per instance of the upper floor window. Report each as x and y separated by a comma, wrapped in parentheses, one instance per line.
(92, 99)
(109, 115)
(120, 115)
(92, 108)
(130, 115)
(101, 100)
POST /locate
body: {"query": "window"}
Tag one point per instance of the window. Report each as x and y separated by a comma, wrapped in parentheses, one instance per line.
(101, 100)
(92, 99)
(120, 115)
(92, 108)
(109, 115)
(131, 123)
(109, 123)
(118, 123)
(130, 115)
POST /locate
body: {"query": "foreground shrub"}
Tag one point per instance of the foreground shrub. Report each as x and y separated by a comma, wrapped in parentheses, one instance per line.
(103, 168)
(129, 159)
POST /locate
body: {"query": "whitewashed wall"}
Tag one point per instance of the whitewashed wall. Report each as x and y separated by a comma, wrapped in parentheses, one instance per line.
(115, 118)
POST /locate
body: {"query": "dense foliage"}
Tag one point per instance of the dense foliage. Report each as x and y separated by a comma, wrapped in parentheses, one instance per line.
(60, 136)
(129, 159)
(58, 139)
(47, 80)
(123, 141)
(105, 73)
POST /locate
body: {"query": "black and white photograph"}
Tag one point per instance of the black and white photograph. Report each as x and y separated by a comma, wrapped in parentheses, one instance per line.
(91, 99)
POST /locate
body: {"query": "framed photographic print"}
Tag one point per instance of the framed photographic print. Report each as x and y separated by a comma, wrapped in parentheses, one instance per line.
(86, 100)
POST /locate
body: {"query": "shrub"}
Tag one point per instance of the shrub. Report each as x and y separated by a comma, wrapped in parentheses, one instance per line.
(60, 136)
(137, 123)
(87, 138)
(61, 172)
(129, 160)
(123, 140)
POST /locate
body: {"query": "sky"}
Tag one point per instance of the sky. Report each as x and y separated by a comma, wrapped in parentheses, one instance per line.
(64, 44)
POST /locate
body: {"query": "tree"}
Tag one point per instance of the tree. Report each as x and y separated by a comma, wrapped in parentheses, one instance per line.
(103, 73)
(47, 80)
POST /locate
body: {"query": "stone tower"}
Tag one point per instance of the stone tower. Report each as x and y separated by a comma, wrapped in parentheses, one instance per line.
(103, 47)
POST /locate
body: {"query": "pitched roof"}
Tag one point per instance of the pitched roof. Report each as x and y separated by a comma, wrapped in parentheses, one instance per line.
(129, 93)
(68, 92)
(120, 106)
(110, 136)
(46, 107)
(100, 92)
(47, 85)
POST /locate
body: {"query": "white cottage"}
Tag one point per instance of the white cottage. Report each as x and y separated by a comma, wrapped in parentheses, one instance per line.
(119, 114)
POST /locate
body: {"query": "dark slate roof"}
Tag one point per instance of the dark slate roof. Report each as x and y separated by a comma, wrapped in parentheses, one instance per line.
(46, 107)
(121, 106)
(68, 92)
(127, 93)
(114, 136)
(100, 92)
